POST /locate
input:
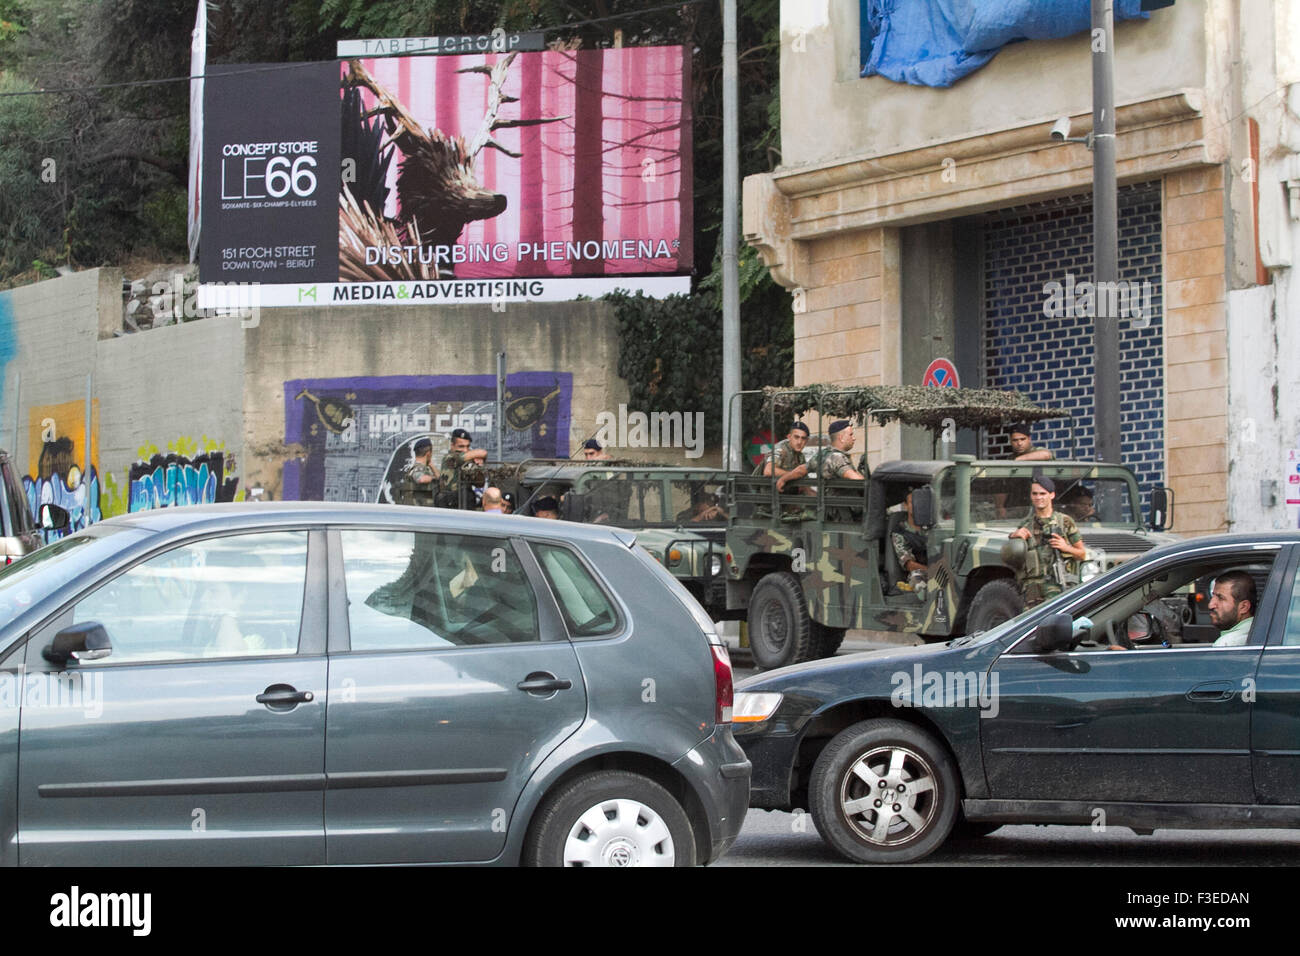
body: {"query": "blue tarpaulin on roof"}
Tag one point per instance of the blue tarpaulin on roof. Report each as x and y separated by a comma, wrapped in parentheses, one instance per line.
(937, 42)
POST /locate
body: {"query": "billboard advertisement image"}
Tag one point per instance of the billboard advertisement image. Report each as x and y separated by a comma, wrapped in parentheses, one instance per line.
(479, 177)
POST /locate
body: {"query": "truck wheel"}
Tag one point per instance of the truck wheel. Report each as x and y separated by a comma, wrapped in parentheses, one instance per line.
(884, 791)
(825, 640)
(996, 602)
(780, 631)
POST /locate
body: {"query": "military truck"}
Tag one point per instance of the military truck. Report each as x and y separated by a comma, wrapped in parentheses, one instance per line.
(678, 514)
(804, 569)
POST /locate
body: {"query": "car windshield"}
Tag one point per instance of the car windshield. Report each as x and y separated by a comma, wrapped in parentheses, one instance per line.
(29, 581)
(1005, 499)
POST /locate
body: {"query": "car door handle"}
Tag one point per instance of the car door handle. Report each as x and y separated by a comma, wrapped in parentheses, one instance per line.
(543, 684)
(1214, 691)
(281, 694)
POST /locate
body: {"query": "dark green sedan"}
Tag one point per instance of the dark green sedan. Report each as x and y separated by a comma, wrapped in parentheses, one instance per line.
(1163, 694)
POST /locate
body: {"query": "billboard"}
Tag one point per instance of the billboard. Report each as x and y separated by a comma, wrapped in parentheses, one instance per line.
(483, 177)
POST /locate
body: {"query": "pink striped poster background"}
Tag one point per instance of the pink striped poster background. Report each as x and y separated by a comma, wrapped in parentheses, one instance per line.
(617, 168)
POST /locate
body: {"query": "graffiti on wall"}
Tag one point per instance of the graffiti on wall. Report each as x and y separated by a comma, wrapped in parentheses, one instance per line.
(358, 433)
(65, 473)
(188, 473)
(8, 345)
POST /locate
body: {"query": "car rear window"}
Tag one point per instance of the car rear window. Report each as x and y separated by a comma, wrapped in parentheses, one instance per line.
(587, 610)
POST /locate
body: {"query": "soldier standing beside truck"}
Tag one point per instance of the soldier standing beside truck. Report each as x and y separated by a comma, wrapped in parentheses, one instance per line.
(456, 459)
(1052, 537)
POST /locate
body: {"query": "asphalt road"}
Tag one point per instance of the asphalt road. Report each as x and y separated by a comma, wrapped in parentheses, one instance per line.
(773, 838)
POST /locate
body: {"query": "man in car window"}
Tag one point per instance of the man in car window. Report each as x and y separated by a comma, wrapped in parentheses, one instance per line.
(1232, 607)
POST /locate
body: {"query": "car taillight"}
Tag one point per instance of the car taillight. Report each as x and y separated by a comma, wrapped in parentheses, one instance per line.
(722, 683)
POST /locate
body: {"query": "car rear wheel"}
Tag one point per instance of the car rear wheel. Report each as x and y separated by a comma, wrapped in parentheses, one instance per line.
(780, 631)
(996, 602)
(884, 791)
(610, 818)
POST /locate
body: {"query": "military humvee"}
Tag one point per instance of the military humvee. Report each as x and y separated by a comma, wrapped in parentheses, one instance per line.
(678, 514)
(803, 569)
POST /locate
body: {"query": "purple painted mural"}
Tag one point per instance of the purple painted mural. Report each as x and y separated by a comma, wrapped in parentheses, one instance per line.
(358, 432)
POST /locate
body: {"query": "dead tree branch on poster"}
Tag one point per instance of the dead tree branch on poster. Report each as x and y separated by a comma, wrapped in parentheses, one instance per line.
(436, 180)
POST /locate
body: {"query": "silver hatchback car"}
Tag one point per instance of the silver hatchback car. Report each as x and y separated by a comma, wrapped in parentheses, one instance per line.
(300, 683)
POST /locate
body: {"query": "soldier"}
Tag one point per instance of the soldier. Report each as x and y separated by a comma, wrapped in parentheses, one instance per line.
(786, 458)
(909, 542)
(833, 462)
(1051, 538)
(419, 475)
(592, 451)
(1023, 447)
(459, 456)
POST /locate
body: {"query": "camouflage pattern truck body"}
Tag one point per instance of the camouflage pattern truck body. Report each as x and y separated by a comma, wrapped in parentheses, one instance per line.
(804, 568)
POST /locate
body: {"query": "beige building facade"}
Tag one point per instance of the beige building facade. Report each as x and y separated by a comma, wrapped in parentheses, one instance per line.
(916, 223)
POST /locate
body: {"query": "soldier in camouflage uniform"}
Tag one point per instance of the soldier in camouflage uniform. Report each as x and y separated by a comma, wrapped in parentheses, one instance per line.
(456, 459)
(833, 462)
(909, 543)
(786, 458)
(1055, 547)
(419, 476)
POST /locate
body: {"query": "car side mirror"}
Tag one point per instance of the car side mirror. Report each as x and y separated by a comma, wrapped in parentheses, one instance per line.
(923, 507)
(54, 518)
(81, 642)
(1162, 509)
(1055, 633)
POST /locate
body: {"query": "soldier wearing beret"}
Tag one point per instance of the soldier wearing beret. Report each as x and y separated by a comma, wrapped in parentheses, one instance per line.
(419, 475)
(833, 462)
(460, 455)
(1055, 546)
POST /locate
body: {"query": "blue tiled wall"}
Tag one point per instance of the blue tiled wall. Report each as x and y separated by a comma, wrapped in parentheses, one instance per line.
(1051, 359)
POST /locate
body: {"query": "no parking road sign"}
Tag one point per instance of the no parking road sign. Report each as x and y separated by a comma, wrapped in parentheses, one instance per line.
(941, 373)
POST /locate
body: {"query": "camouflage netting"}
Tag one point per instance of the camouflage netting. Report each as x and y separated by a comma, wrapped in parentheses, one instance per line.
(508, 474)
(921, 405)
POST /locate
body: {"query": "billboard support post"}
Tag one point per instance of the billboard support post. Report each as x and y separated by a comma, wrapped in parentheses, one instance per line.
(730, 230)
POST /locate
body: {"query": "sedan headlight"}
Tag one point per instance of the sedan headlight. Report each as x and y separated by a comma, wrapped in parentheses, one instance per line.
(753, 708)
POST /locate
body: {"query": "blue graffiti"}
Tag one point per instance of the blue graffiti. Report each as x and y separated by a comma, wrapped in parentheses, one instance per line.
(171, 481)
(81, 502)
(8, 343)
